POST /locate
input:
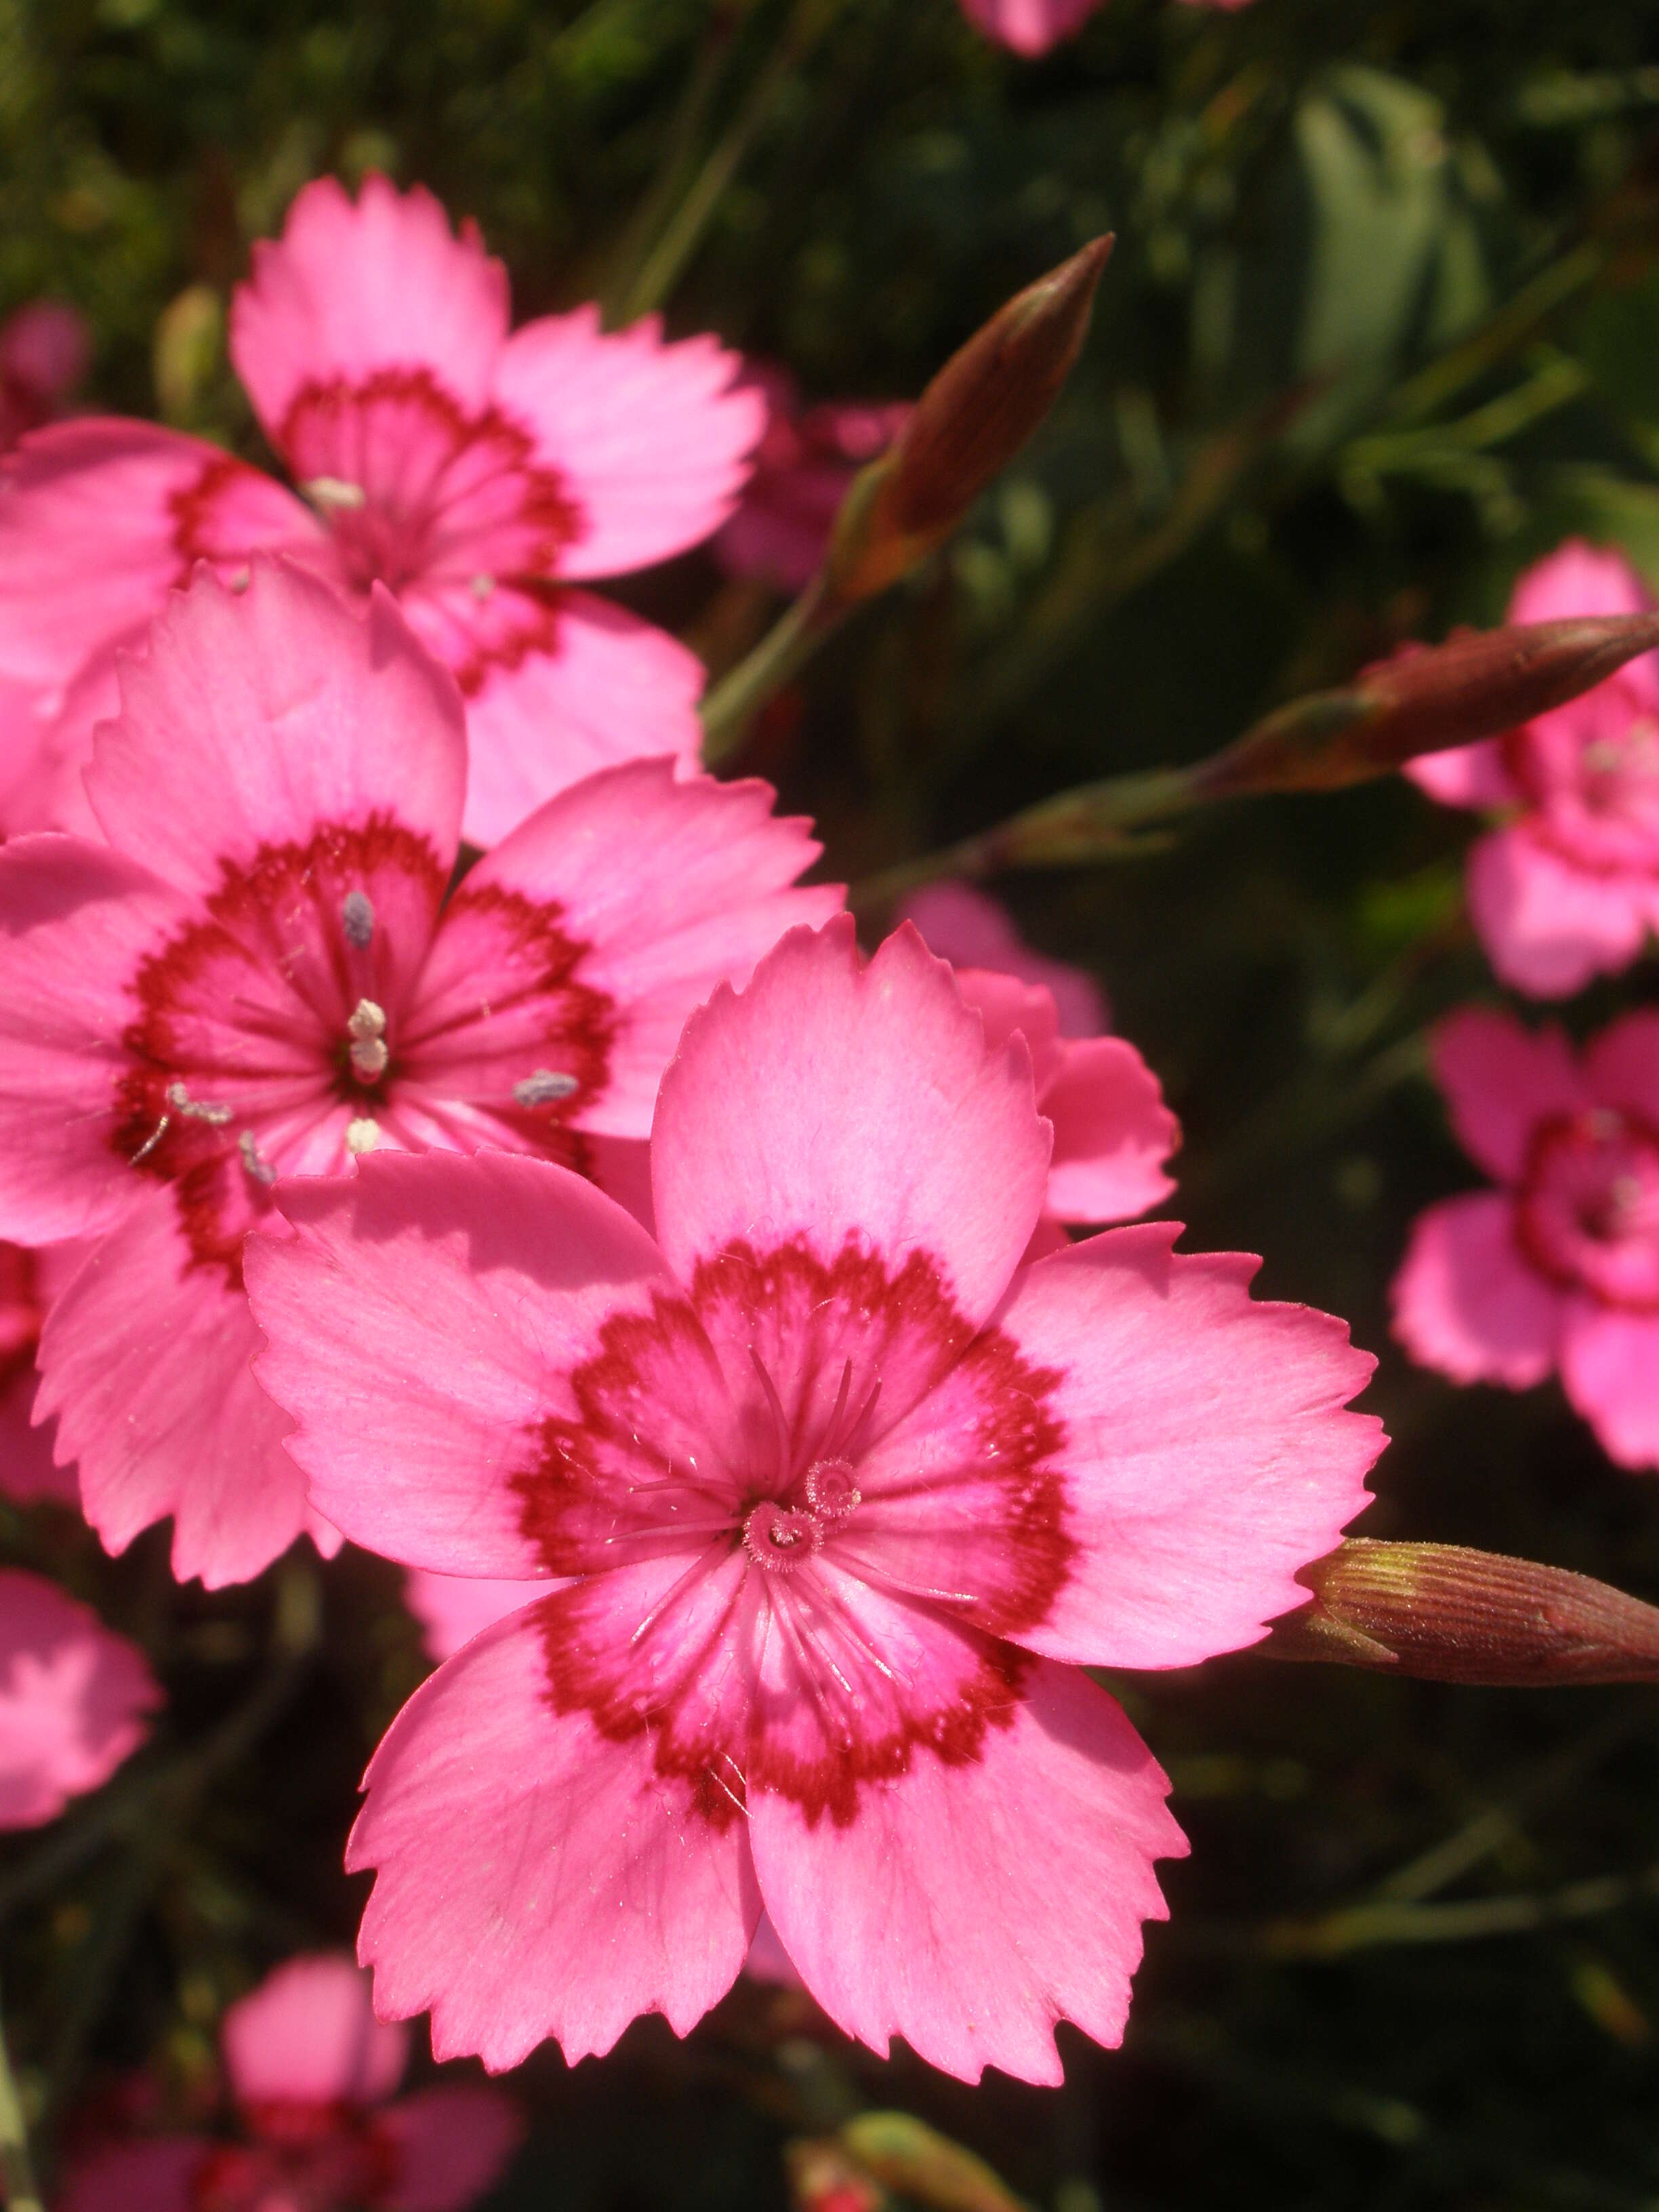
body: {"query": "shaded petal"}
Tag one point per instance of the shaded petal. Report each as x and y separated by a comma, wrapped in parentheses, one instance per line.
(932, 1916)
(676, 886)
(28, 1468)
(98, 523)
(535, 1877)
(969, 928)
(452, 1609)
(75, 921)
(1112, 1133)
(1548, 929)
(1578, 579)
(148, 2176)
(1005, 1004)
(1610, 1371)
(258, 717)
(1621, 1066)
(611, 689)
(451, 2145)
(351, 288)
(423, 1324)
(1465, 775)
(649, 440)
(1466, 1301)
(1500, 1080)
(835, 1101)
(307, 2035)
(146, 1359)
(73, 1699)
(1206, 1453)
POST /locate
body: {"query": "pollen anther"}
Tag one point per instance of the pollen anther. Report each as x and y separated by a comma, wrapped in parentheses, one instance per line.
(257, 1166)
(196, 1109)
(367, 1030)
(328, 492)
(544, 1088)
(362, 1135)
(357, 920)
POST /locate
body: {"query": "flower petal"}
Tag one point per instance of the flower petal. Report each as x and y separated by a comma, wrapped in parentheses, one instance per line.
(537, 1878)
(351, 288)
(73, 1699)
(146, 1359)
(833, 1101)
(1465, 775)
(676, 886)
(1112, 1133)
(1206, 1454)
(1578, 579)
(612, 688)
(258, 717)
(1610, 1371)
(1500, 1080)
(145, 2177)
(423, 1322)
(1466, 1301)
(451, 2145)
(971, 929)
(453, 1609)
(307, 2035)
(1029, 27)
(932, 1916)
(649, 440)
(1621, 1066)
(1549, 928)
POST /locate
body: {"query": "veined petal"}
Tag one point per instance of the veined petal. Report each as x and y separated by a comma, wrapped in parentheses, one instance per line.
(835, 1101)
(258, 717)
(1112, 1133)
(1205, 1456)
(650, 439)
(351, 288)
(423, 1324)
(537, 1877)
(967, 1907)
(1500, 1080)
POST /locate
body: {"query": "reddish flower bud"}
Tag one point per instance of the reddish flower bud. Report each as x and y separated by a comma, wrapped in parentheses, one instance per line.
(1476, 685)
(967, 425)
(1448, 1614)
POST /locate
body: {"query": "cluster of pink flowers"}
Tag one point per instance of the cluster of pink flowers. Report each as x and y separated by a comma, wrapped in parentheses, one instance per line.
(1558, 1271)
(687, 1301)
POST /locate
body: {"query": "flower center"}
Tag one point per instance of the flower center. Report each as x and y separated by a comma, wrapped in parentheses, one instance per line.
(780, 1537)
(1589, 1210)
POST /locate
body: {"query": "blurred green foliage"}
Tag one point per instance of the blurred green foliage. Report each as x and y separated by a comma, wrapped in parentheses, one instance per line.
(1382, 326)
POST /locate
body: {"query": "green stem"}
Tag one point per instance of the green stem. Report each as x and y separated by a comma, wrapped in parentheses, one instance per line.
(782, 653)
(16, 2167)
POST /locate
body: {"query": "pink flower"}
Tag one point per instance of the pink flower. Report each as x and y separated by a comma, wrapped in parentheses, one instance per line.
(847, 1498)
(263, 972)
(73, 1699)
(1557, 1270)
(29, 1471)
(477, 475)
(312, 2073)
(806, 461)
(1029, 27)
(1567, 888)
(452, 1609)
(43, 356)
(1112, 1133)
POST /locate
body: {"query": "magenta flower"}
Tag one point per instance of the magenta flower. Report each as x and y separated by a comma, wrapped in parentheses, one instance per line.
(846, 1497)
(263, 972)
(43, 356)
(28, 1470)
(73, 1697)
(803, 466)
(1557, 1270)
(476, 474)
(1567, 887)
(313, 2075)
(1032, 27)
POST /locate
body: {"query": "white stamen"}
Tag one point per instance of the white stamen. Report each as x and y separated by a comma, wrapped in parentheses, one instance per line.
(334, 492)
(357, 920)
(240, 580)
(543, 1088)
(361, 1136)
(367, 1030)
(483, 586)
(152, 1140)
(254, 1160)
(196, 1109)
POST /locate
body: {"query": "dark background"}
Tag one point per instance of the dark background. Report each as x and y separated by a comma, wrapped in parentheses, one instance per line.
(1383, 326)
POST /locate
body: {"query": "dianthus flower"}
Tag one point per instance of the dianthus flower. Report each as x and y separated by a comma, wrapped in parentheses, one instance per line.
(28, 1470)
(804, 465)
(1557, 1270)
(263, 972)
(73, 1699)
(1567, 888)
(476, 475)
(847, 1498)
(1112, 1133)
(1032, 27)
(314, 2076)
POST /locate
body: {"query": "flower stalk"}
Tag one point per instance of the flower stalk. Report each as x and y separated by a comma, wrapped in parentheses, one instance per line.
(16, 2166)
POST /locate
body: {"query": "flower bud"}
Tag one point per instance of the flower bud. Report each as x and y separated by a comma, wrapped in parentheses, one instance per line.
(967, 425)
(824, 2178)
(1448, 1614)
(1476, 685)
(916, 2162)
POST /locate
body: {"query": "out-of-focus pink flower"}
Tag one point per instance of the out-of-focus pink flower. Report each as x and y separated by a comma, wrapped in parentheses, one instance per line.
(1557, 1270)
(478, 475)
(1568, 887)
(262, 973)
(971, 929)
(313, 2075)
(73, 1697)
(1032, 27)
(43, 356)
(806, 459)
(848, 1495)
(28, 1470)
